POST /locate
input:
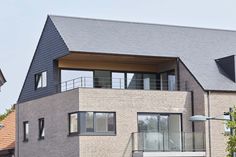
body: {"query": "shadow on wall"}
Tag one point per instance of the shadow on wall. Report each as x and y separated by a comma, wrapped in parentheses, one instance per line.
(128, 148)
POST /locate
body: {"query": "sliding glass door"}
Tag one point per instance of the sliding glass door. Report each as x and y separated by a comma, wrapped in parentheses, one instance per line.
(161, 132)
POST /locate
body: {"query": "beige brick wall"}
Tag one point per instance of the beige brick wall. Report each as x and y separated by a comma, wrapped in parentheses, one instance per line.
(126, 104)
(219, 103)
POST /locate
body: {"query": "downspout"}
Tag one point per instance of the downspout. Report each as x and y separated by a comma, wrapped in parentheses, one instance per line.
(17, 124)
(209, 122)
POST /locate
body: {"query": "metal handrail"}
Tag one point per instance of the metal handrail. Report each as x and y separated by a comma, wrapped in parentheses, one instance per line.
(119, 83)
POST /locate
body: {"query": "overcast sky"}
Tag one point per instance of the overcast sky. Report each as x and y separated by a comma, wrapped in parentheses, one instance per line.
(21, 23)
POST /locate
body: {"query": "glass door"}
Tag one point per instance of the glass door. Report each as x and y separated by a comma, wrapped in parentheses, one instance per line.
(160, 132)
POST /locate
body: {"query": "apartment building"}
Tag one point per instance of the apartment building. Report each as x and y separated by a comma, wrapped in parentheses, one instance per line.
(120, 89)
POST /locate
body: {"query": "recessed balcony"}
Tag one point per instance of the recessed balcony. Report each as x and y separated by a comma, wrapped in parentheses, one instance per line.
(88, 70)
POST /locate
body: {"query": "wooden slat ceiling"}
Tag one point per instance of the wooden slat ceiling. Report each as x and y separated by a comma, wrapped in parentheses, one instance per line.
(78, 56)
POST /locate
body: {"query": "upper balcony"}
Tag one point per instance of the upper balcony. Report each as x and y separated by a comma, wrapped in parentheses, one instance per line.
(91, 70)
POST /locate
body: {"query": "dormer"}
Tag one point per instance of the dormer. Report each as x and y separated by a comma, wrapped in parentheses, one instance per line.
(227, 66)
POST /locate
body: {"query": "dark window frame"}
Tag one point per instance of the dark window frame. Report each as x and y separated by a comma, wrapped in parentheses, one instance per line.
(37, 80)
(25, 138)
(69, 119)
(41, 128)
(160, 114)
(94, 133)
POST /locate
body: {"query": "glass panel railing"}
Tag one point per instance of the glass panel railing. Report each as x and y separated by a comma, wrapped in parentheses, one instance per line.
(168, 141)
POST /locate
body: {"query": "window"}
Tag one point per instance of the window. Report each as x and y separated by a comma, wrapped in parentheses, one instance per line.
(41, 80)
(73, 120)
(41, 128)
(92, 123)
(227, 130)
(26, 131)
(161, 132)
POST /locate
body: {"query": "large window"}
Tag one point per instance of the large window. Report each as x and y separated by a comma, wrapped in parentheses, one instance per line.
(41, 80)
(25, 131)
(161, 132)
(41, 128)
(86, 123)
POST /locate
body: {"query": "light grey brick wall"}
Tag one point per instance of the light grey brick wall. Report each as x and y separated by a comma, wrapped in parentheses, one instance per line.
(126, 104)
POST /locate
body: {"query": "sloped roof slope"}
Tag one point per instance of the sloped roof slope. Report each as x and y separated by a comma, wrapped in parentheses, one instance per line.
(196, 47)
(7, 133)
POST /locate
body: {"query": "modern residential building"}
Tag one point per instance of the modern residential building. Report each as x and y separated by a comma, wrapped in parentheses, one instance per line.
(120, 89)
(2, 79)
(7, 135)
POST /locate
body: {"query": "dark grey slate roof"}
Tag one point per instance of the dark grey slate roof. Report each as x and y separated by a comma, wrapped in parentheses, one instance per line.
(196, 47)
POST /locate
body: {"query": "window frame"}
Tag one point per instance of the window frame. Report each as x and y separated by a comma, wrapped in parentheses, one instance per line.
(94, 133)
(69, 126)
(25, 138)
(227, 131)
(37, 80)
(161, 114)
(40, 130)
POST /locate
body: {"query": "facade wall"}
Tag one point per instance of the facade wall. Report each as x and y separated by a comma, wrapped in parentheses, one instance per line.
(189, 83)
(219, 103)
(54, 109)
(50, 47)
(126, 104)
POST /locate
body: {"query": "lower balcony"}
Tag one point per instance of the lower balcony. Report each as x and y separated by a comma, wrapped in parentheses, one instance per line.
(168, 144)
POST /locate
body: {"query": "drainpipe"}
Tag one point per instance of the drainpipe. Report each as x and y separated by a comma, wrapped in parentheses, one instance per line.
(17, 122)
(209, 122)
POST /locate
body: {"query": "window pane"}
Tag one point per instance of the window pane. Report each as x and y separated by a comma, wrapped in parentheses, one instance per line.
(149, 81)
(111, 122)
(118, 80)
(134, 81)
(44, 79)
(102, 79)
(41, 80)
(101, 122)
(89, 122)
(73, 123)
(41, 128)
(171, 82)
(26, 130)
(227, 130)
(148, 123)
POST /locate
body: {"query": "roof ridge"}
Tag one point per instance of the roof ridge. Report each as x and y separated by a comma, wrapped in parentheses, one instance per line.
(144, 23)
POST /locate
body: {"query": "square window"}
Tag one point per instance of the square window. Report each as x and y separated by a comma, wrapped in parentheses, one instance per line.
(41, 80)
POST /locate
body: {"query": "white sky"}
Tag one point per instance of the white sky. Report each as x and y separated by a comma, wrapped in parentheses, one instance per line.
(21, 23)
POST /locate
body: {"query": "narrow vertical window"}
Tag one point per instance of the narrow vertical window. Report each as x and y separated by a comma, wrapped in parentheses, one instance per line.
(227, 130)
(41, 128)
(26, 131)
(41, 80)
(73, 123)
